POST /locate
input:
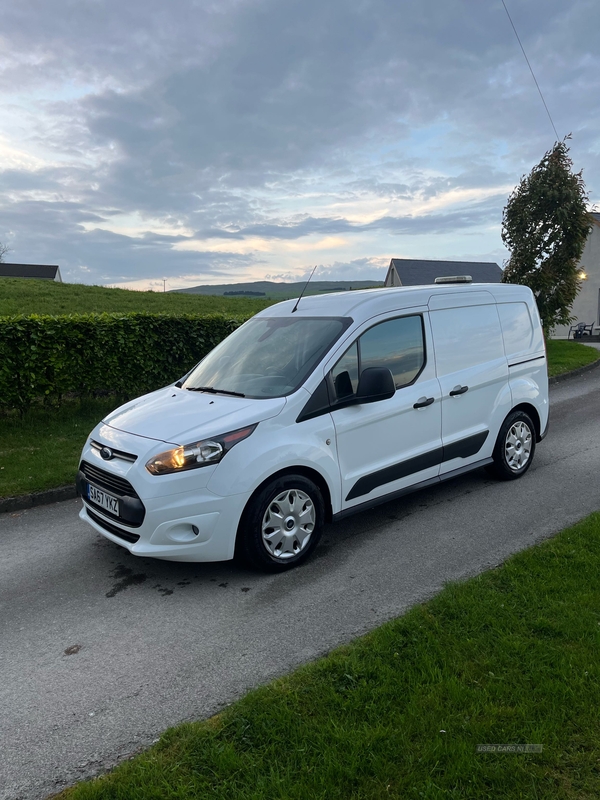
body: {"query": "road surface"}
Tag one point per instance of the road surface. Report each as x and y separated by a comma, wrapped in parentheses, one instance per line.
(100, 651)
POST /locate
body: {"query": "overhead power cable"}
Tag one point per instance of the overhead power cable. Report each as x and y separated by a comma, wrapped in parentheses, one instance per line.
(531, 70)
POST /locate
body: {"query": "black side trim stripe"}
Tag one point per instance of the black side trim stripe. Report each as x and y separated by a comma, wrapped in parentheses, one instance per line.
(462, 449)
(465, 447)
(526, 361)
(387, 498)
(367, 483)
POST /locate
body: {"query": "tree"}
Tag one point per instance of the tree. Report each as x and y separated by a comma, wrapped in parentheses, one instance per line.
(545, 226)
(3, 251)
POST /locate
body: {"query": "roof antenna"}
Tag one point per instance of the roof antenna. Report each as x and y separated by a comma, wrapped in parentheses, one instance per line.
(303, 290)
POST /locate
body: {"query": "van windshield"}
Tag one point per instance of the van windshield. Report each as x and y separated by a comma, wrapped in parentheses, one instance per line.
(267, 357)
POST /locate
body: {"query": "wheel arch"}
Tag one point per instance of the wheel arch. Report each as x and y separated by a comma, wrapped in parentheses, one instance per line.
(307, 472)
(532, 412)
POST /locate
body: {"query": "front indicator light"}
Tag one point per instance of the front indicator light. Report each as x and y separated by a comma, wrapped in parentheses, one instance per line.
(196, 454)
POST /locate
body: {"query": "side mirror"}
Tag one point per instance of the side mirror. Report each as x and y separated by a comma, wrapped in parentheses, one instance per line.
(375, 383)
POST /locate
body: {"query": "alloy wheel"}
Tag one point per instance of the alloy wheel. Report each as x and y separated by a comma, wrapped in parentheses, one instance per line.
(517, 446)
(288, 524)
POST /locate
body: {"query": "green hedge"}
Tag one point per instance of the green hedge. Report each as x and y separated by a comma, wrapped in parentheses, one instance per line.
(85, 354)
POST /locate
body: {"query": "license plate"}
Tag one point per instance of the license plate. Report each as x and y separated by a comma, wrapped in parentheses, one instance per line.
(103, 499)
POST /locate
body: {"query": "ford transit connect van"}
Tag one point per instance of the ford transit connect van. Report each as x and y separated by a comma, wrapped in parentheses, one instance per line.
(314, 410)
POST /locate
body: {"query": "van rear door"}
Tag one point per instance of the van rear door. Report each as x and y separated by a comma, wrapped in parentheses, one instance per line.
(473, 374)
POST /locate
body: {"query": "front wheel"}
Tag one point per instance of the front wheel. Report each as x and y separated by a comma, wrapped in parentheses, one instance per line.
(515, 447)
(282, 524)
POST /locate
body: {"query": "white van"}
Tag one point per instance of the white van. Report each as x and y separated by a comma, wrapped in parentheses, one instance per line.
(314, 410)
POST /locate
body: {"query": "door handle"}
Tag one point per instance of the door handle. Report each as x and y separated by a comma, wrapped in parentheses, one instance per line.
(423, 401)
(458, 390)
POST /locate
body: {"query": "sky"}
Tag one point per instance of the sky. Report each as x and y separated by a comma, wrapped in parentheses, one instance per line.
(222, 141)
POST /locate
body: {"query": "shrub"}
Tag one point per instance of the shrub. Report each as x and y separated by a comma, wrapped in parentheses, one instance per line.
(85, 354)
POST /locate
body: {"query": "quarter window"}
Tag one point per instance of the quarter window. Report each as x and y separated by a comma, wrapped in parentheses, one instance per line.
(345, 373)
(396, 344)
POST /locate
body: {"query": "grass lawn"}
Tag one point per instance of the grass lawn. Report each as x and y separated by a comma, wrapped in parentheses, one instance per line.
(41, 451)
(564, 356)
(18, 296)
(55, 438)
(509, 657)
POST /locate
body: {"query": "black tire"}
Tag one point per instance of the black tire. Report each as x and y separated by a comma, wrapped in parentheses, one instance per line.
(299, 501)
(509, 461)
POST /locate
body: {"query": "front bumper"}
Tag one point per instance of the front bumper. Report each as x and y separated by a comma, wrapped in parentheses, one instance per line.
(176, 518)
(169, 528)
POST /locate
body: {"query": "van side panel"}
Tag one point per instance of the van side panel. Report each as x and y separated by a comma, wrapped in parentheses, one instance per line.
(526, 357)
(473, 374)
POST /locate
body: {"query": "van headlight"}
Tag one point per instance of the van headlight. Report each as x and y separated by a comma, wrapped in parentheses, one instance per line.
(197, 454)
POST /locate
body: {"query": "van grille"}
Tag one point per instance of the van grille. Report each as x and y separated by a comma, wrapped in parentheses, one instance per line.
(107, 480)
(127, 535)
(116, 453)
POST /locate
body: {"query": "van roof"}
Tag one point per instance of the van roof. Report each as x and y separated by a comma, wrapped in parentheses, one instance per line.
(370, 302)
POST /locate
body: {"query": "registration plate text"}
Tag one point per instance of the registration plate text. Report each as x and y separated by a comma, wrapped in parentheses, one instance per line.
(103, 499)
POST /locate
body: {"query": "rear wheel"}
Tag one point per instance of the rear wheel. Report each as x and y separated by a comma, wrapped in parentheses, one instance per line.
(282, 524)
(515, 447)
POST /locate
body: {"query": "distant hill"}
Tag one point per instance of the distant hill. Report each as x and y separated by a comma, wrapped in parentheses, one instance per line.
(278, 291)
(31, 296)
(246, 293)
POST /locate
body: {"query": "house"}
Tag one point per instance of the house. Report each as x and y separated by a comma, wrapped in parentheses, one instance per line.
(416, 271)
(586, 307)
(44, 271)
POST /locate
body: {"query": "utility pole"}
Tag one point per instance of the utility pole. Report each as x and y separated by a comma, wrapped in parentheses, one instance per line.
(164, 284)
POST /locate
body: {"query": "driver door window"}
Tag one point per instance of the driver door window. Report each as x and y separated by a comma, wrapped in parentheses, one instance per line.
(396, 344)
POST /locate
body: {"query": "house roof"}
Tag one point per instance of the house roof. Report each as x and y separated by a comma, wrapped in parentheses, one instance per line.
(46, 271)
(416, 271)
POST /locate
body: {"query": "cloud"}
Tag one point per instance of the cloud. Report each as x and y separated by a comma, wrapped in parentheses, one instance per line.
(358, 269)
(211, 138)
(99, 256)
(481, 213)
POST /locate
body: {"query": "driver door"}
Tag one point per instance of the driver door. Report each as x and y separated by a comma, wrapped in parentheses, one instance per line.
(388, 445)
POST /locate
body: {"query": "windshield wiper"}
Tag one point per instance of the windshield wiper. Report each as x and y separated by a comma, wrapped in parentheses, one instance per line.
(212, 390)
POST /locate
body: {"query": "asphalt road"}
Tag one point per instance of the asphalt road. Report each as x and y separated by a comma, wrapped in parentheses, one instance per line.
(100, 651)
